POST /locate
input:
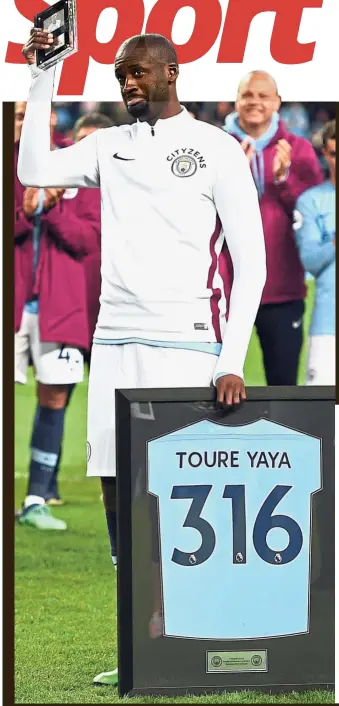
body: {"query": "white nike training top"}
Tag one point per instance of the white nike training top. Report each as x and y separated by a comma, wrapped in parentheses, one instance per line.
(170, 195)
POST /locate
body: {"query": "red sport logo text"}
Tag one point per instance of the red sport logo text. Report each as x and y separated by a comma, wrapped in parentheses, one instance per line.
(132, 19)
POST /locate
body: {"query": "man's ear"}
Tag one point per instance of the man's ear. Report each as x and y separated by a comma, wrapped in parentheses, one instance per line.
(173, 72)
(278, 103)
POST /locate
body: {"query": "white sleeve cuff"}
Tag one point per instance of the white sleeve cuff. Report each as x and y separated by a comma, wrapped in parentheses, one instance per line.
(35, 71)
(231, 370)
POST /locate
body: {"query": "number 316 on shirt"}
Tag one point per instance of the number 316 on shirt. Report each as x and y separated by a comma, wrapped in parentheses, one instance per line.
(235, 537)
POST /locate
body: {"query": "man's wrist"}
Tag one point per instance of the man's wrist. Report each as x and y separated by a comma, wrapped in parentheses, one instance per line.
(218, 375)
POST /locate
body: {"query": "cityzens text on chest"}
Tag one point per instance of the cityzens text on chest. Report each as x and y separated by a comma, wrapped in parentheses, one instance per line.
(188, 151)
(233, 459)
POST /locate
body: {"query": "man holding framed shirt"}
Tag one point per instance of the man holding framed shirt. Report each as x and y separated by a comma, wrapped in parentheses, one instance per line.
(173, 190)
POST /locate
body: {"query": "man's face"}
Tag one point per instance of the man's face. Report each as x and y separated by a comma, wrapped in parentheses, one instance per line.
(83, 132)
(143, 82)
(19, 114)
(330, 154)
(257, 101)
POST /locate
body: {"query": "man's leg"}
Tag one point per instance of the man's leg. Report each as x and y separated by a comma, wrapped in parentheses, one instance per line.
(280, 330)
(107, 373)
(108, 486)
(53, 495)
(45, 448)
(57, 367)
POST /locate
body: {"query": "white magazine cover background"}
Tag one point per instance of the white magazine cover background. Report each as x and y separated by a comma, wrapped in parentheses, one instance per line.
(204, 79)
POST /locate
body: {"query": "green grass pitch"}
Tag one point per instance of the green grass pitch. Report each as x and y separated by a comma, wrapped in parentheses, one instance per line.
(65, 586)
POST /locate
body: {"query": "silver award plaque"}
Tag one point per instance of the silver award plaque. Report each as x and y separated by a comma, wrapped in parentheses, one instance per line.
(59, 20)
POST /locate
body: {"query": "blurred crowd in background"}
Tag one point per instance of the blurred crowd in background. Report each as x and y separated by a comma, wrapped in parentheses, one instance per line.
(302, 119)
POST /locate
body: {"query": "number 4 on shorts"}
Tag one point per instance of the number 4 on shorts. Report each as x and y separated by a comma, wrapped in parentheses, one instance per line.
(64, 355)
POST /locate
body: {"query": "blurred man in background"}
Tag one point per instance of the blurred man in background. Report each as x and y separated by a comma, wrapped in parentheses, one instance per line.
(283, 166)
(89, 123)
(83, 127)
(315, 230)
(54, 230)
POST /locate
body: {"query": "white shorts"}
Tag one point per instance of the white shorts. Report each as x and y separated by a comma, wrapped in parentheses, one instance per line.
(133, 365)
(321, 360)
(53, 364)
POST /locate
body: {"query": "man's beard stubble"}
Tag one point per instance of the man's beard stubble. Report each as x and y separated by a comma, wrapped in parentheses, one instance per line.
(150, 109)
(139, 110)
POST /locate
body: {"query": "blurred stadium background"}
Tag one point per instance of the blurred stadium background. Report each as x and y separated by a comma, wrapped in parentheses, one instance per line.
(303, 119)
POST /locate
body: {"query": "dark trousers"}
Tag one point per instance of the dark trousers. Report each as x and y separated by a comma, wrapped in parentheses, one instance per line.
(280, 331)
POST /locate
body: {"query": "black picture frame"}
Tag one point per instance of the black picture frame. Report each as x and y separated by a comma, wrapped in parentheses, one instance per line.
(45, 57)
(124, 400)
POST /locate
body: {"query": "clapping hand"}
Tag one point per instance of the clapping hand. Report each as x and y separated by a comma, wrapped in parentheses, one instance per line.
(282, 160)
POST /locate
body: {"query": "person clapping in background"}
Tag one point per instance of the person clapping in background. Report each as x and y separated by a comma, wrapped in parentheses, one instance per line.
(283, 166)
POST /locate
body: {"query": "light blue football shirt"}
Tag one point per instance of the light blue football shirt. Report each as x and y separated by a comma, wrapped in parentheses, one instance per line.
(315, 229)
(228, 574)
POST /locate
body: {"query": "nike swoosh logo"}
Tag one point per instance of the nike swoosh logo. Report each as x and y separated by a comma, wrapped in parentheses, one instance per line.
(124, 159)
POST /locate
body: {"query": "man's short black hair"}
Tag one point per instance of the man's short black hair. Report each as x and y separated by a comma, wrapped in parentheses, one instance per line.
(156, 45)
(98, 120)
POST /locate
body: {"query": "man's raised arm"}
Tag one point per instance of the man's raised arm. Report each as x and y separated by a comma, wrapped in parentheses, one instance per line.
(236, 200)
(38, 165)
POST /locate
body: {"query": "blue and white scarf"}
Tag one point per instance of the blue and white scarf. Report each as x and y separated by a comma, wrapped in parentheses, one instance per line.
(257, 162)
